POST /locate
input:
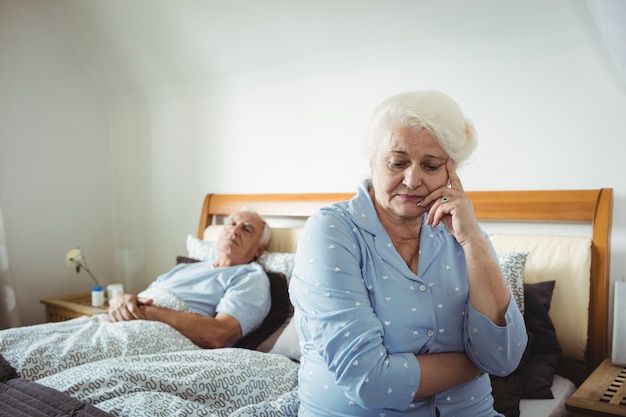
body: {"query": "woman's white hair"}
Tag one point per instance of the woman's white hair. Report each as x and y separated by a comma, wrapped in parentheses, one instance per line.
(432, 110)
(267, 231)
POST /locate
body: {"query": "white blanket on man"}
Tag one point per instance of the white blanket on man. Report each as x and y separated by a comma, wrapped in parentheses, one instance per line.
(138, 368)
(46, 349)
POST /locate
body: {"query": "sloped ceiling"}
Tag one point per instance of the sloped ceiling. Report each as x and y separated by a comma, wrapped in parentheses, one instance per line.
(140, 44)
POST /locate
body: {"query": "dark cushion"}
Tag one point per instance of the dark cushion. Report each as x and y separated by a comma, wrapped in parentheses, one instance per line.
(535, 372)
(185, 260)
(20, 397)
(279, 310)
(545, 352)
(507, 391)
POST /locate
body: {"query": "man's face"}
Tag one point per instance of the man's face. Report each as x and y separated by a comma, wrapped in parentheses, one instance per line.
(240, 240)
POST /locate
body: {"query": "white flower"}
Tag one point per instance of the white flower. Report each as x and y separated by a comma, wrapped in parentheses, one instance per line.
(73, 256)
(76, 259)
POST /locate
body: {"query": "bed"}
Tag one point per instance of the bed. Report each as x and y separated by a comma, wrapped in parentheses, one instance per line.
(567, 274)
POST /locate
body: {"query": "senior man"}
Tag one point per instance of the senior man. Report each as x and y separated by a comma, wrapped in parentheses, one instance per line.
(212, 304)
(228, 296)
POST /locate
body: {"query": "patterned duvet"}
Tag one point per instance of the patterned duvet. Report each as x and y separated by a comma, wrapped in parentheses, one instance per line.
(140, 368)
(220, 382)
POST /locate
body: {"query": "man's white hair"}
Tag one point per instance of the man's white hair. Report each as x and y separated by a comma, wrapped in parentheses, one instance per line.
(267, 231)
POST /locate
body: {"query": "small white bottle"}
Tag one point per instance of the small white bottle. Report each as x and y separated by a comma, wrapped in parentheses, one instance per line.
(97, 296)
(114, 289)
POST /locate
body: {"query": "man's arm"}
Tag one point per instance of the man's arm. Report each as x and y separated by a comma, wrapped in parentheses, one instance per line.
(207, 332)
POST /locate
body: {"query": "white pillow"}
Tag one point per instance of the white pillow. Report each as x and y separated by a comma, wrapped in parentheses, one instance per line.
(278, 262)
(200, 250)
(288, 343)
(512, 266)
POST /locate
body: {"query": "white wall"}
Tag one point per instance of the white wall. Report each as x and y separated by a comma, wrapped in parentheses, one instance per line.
(535, 77)
(55, 162)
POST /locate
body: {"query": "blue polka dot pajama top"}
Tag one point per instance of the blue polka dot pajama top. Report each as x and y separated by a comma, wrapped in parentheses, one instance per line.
(362, 315)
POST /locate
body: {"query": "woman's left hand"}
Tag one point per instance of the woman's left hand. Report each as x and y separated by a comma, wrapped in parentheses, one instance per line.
(454, 208)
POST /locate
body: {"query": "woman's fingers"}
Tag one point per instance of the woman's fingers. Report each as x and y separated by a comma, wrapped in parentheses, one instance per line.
(455, 182)
(446, 193)
(441, 208)
(446, 201)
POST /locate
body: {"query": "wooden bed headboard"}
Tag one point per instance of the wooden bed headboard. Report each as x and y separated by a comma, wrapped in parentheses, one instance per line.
(593, 207)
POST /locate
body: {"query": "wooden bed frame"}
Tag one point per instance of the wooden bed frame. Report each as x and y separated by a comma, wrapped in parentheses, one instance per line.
(569, 206)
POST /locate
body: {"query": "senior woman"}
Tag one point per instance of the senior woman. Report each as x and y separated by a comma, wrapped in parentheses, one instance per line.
(400, 305)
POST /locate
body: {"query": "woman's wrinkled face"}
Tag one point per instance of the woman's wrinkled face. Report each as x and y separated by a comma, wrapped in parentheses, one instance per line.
(407, 166)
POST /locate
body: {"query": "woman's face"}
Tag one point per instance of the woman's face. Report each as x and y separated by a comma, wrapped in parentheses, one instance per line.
(408, 165)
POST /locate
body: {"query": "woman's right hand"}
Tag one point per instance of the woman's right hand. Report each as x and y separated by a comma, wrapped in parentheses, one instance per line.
(452, 206)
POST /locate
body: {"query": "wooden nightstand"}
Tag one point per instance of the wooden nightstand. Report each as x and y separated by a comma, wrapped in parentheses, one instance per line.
(602, 394)
(71, 306)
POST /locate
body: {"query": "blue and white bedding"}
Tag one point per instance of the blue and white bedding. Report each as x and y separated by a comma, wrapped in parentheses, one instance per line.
(222, 382)
(140, 368)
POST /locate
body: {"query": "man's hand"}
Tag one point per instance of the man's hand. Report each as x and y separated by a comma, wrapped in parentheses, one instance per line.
(126, 307)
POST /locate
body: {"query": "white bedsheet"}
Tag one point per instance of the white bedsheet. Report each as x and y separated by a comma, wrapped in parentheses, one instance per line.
(562, 389)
